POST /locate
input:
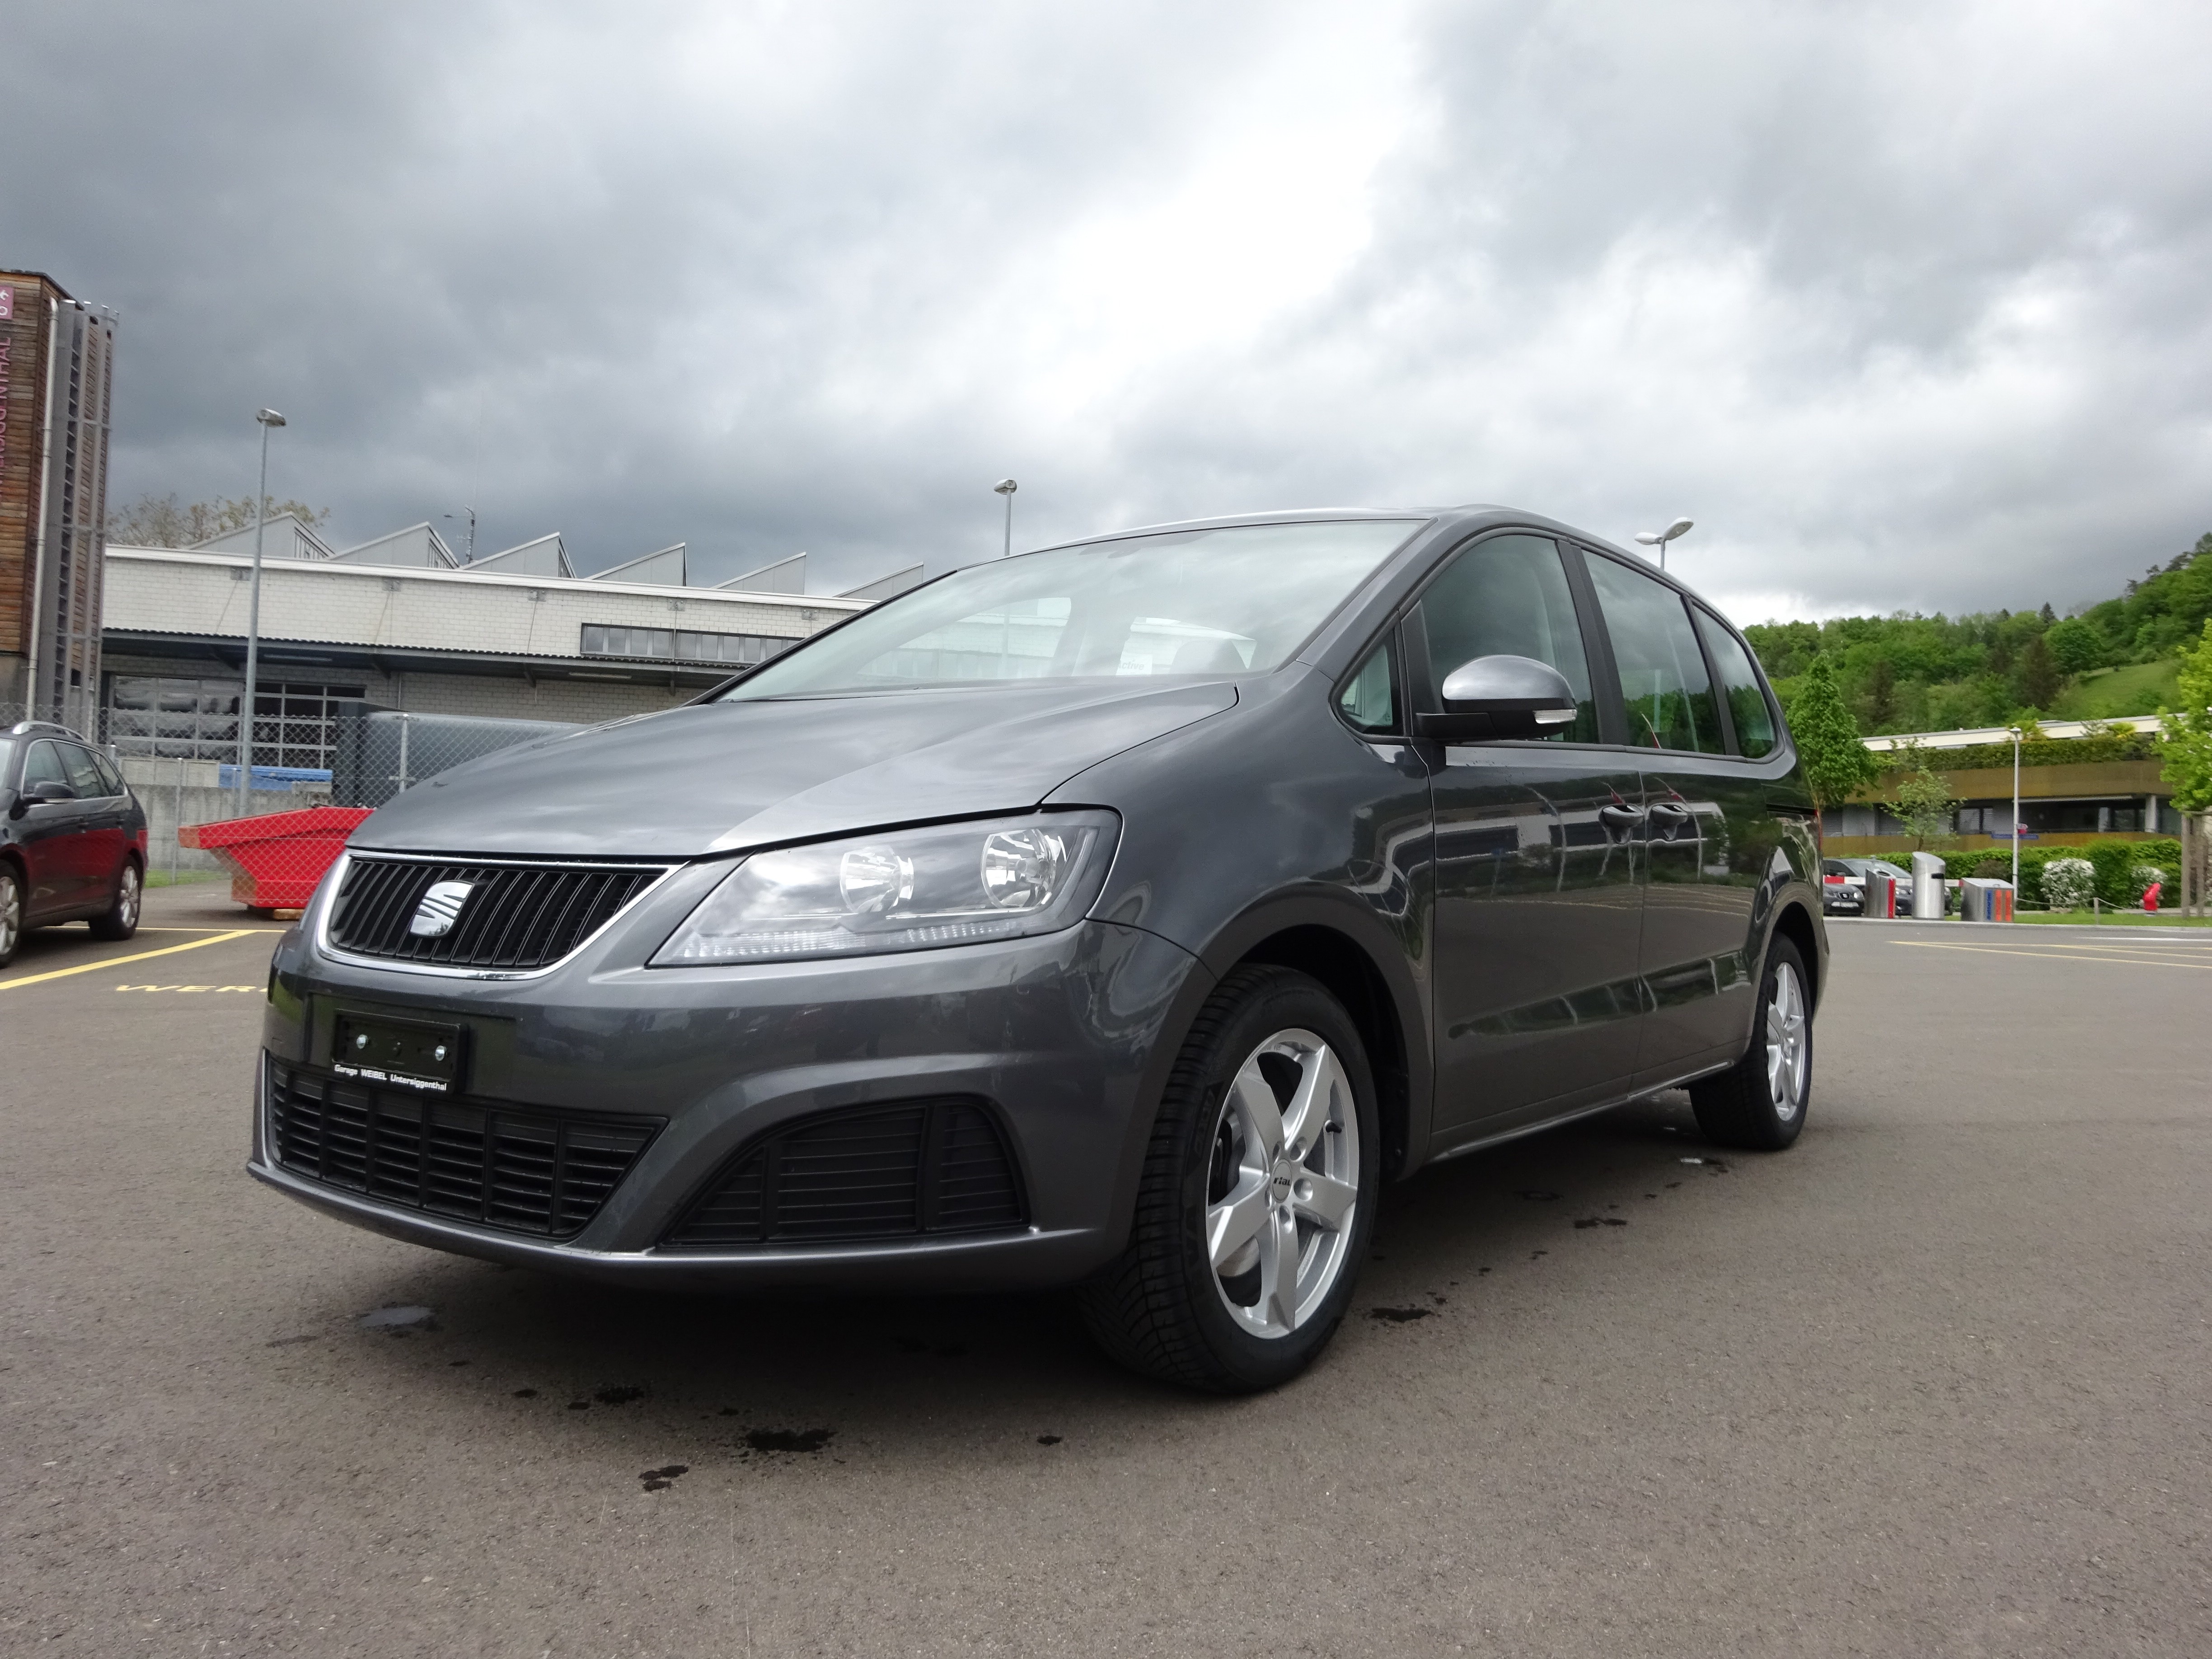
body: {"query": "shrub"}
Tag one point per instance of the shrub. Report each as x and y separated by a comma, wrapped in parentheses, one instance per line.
(2069, 883)
(2115, 862)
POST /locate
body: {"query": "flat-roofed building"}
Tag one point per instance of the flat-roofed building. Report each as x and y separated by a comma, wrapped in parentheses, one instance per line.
(411, 634)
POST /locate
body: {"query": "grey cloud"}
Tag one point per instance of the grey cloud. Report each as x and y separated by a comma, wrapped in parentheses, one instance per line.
(1902, 302)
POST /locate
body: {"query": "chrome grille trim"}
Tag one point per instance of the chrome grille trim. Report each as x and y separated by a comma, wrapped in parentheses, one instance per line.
(326, 906)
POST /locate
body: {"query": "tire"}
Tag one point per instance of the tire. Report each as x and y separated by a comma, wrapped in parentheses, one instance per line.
(1760, 1103)
(1267, 1042)
(120, 919)
(11, 912)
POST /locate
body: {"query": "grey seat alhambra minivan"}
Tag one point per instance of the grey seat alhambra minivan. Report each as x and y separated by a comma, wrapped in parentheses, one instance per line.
(1118, 916)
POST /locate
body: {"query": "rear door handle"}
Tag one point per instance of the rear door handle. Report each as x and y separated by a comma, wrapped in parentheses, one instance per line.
(1668, 809)
(1620, 818)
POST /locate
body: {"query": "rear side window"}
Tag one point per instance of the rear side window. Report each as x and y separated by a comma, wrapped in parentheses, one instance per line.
(83, 776)
(1509, 596)
(1369, 698)
(108, 775)
(1747, 699)
(1664, 684)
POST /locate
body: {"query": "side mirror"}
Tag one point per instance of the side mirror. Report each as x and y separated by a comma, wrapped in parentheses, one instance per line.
(1500, 697)
(44, 794)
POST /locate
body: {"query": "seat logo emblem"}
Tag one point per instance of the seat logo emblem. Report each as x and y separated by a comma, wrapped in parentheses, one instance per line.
(434, 915)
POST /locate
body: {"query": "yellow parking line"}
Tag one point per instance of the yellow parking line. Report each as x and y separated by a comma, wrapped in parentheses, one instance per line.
(2142, 952)
(117, 962)
(2055, 955)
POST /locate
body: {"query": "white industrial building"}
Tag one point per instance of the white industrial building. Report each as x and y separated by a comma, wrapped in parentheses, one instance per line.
(400, 624)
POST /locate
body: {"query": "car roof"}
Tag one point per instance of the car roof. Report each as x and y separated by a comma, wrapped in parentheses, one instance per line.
(1448, 523)
(40, 729)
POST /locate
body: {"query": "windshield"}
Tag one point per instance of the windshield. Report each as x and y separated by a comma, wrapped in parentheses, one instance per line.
(1233, 601)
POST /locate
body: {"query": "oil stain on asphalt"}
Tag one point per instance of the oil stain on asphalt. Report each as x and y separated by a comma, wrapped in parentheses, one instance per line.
(1400, 1316)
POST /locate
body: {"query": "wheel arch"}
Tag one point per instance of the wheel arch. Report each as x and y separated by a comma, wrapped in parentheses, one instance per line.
(1339, 940)
(1792, 922)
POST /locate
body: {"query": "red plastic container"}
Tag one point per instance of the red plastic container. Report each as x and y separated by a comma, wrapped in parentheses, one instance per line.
(276, 860)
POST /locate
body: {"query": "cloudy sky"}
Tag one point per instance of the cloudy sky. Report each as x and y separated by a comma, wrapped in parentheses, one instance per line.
(1907, 304)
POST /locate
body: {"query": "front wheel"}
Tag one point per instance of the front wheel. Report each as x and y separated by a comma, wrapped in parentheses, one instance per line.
(11, 914)
(1257, 1195)
(120, 919)
(1760, 1103)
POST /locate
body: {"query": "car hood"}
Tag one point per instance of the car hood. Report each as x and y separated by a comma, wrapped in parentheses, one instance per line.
(726, 776)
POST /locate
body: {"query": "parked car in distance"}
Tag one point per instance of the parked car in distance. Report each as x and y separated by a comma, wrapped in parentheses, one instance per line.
(1844, 881)
(1117, 916)
(72, 836)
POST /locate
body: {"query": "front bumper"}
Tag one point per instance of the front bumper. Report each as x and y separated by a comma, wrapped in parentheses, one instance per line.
(1052, 1034)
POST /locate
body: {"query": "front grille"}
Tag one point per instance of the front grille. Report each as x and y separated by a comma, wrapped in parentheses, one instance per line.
(514, 916)
(920, 1167)
(527, 1171)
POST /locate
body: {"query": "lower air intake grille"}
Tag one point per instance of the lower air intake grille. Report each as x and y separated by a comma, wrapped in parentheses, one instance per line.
(920, 1167)
(510, 917)
(529, 1172)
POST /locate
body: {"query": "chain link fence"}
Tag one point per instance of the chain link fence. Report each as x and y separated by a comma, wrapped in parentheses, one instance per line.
(317, 768)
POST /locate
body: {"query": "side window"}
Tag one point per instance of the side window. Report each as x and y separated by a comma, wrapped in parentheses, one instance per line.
(1747, 699)
(1664, 684)
(44, 765)
(83, 776)
(1369, 697)
(110, 778)
(1509, 597)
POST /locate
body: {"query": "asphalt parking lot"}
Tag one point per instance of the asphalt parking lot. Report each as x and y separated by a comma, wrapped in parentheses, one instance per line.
(1934, 1383)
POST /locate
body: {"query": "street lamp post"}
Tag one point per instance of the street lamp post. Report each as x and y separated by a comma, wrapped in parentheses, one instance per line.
(1007, 487)
(2016, 820)
(1659, 539)
(268, 418)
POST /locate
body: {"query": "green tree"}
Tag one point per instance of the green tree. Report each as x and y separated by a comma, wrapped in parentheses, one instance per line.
(2040, 681)
(1837, 765)
(2186, 742)
(2075, 646)
(1882, 696)
(1923, 801)
(159, 521)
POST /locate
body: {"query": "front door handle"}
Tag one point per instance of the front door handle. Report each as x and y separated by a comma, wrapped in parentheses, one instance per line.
(1620, 818)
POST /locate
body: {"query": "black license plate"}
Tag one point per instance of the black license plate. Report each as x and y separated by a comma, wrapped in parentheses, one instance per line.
(406, 1054)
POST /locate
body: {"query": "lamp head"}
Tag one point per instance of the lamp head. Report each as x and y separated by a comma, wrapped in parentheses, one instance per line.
(270, 417)
(1678, 527)
(1005, 487)
(1649, 539)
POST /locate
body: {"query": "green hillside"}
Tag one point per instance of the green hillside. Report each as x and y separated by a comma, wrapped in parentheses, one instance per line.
(2139, 688)
(1907, 673)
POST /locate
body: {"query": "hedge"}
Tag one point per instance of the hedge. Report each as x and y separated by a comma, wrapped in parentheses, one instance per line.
(2114, 861)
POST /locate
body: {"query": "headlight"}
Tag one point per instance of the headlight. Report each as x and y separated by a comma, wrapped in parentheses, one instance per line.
(902, 890)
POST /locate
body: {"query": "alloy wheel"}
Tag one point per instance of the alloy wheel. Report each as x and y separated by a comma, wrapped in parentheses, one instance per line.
(11, 916)
(1283, 1187)
(126, 897)
(1789, 1056)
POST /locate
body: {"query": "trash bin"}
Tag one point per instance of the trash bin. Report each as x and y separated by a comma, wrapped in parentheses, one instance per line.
(1881, 893)
(276, 860)
(1981, 900)
(1927, 887)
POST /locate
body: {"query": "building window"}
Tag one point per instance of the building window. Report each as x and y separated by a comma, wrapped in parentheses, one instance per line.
(680, 645)
(198, 720)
